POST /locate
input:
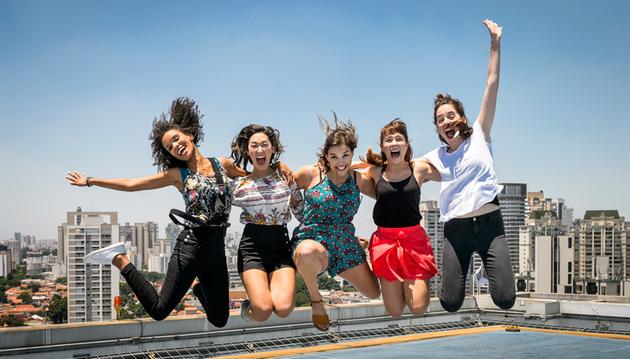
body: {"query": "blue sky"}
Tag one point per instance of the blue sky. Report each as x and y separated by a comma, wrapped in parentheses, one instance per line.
(82, 81)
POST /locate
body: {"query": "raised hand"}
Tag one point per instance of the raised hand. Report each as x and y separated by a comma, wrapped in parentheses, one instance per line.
(76, 179)
(494, 29)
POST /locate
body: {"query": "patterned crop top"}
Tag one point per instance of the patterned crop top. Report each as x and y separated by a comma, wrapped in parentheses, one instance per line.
(268, 200)
(207, 198)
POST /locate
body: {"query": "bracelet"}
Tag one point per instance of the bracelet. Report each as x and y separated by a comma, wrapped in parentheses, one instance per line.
(87, 181)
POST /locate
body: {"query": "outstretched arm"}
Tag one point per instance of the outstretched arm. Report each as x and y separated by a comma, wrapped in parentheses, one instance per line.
(231, 169)
(424, 171)
(489, 102)
(171, 177)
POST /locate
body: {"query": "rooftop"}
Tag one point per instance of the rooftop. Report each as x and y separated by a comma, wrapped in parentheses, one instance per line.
(362, 329)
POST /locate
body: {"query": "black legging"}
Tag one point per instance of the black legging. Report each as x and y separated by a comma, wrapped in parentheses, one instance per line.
(198, 253)
(485, 235)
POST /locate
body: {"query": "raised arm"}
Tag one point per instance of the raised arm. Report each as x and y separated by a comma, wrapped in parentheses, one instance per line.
(366, 184)
(489, 102)
(424, 171)
(171, 177)
(231, 169)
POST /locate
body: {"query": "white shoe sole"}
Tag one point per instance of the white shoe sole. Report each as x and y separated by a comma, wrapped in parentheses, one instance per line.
(105, 255)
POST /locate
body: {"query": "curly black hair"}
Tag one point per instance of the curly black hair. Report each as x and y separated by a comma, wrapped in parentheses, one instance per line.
(183, 116)
(240, 144)
(343, 134)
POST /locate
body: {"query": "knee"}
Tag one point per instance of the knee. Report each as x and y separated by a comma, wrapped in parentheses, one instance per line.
(394, 312)
(419, 308)
(261, 312)
(283, 311)
(307, 255)
(451, 304)
(504, 300)
(373, 293)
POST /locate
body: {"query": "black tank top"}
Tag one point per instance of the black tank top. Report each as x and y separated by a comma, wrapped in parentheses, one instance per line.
(397, 203)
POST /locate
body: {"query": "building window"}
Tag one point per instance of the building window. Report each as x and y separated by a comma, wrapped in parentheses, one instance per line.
(570, 242)
(569, 266)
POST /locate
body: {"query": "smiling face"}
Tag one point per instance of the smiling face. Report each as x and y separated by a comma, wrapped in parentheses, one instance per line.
(179, 144)
(394, 146)
(449, 123)
(339, 159)
(260, 151)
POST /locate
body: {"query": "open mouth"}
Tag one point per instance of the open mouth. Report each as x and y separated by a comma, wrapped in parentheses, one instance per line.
(341, 168)
(261, 161)
(395, 154)
(181, 150)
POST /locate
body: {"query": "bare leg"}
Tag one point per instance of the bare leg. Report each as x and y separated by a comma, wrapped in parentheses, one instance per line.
(393, 297)
(256, 284)
(363, 280)
(417, 295)
(282, 288)
(311, 258)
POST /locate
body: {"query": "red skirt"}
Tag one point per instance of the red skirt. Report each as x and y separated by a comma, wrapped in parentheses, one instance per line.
(400, 254)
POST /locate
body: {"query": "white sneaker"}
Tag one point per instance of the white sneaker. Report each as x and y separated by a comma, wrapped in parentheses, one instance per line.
(480, 277)
(105, 255)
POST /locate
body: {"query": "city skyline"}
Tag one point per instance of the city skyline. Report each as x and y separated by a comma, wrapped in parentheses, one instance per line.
(83, 81)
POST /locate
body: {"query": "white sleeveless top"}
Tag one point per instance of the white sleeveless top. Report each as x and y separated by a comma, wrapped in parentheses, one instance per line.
(468, 177)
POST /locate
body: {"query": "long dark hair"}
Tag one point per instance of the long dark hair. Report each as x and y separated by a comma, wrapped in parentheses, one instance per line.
(183, 116)
(240, 144)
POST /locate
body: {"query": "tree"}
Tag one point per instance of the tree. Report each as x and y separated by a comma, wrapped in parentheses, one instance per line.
(3, 296)
(34, 288)
(62, 280)
(302, 298)
(26, 297)
(10, 320)
(326, 282)
(57, 309)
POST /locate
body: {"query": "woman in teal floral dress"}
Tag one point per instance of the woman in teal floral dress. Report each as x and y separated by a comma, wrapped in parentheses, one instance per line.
(326, 240)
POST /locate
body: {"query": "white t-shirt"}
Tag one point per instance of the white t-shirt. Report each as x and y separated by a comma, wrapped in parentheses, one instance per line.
(468, 177)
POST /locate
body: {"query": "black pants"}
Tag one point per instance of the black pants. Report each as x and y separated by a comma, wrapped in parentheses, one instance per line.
(198, 253)
(485, 235)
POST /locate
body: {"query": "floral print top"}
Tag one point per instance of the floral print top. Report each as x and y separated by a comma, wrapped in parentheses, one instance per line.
(204, 197)
(268, 200)
(329, 204)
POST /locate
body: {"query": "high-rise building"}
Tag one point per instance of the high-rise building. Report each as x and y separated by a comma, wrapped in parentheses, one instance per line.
(513, 198)
(172, 232)
(91, 287)
(430, 221)
(6, 262)
(16, 252)
(17, 236)
(603, 255)
(142, 236)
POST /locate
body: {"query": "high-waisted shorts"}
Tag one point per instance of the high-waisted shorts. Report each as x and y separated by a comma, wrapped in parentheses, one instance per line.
(400, 254)
(264, 247)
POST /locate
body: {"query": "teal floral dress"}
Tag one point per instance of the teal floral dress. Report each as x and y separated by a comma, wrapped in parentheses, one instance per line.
(328, 214)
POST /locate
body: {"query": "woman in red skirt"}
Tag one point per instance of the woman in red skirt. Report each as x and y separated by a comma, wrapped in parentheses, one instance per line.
(401, 255)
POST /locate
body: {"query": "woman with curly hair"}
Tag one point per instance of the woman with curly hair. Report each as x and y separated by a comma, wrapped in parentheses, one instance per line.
(468, 195)
(199, 252)
(325, 240)
(400, 251)
(264, 254)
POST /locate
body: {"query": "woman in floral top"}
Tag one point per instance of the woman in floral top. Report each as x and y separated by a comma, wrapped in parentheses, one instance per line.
(264, 253)
(199, 252)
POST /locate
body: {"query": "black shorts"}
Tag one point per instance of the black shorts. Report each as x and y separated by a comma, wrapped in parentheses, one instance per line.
(264, 247)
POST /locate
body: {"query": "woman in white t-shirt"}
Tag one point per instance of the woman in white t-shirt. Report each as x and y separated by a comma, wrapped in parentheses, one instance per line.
(468, 195)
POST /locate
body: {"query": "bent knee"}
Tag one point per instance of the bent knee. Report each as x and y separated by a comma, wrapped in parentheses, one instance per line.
(261, 312)
(283, 311)
(451, 304)
(505, 301)
(419, 309)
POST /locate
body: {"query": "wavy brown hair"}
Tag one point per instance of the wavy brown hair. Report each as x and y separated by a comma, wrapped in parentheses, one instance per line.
(343, 134)
(240, 144)
(379, 159)
(183, 116)
(465, 130)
